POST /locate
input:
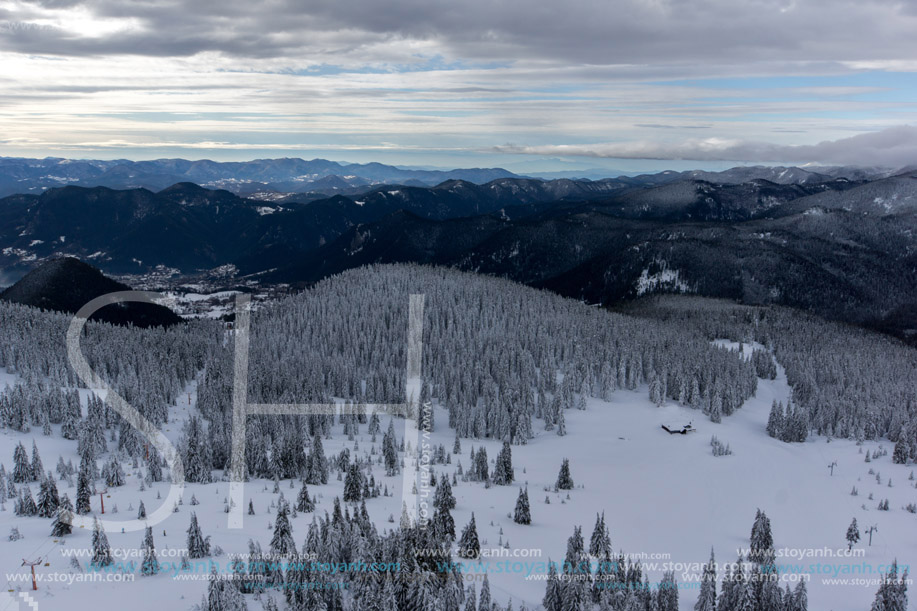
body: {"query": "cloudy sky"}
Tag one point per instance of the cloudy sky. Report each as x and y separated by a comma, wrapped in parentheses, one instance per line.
(523, 84)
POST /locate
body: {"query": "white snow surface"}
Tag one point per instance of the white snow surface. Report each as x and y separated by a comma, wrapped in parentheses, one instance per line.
(664, 496)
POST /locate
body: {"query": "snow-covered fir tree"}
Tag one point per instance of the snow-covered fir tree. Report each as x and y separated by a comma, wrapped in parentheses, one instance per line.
(317, 469)
(197, 545)
(600, 541)
(503, 474)
(101, 550)
(353, 485)
(564, 479)
(892, 592)
(149, 565)
(48, 499)
(84, 487)
(22, 469)
(469, 546)
(304, 503)
(63, 522)
(853, 534)
(195, 455)
(706, 600)
(282, 542)
(38, 471)
(522, 513)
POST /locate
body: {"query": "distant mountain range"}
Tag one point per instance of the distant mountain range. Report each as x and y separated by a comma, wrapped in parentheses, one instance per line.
(189, 228)
(262, 176)
(841, 247)
(316, 178)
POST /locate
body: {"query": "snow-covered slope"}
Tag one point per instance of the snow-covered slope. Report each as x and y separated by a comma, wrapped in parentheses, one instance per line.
(666, 500)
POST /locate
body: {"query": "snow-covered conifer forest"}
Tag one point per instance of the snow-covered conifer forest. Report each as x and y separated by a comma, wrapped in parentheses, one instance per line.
(540, 475)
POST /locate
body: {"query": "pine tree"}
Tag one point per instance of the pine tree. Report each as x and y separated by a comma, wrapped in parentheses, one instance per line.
(153, 465)
(141, 511)
(317, 463)
(198, 546)
(575, 562)
(706, 601)
(114, 473)
(484, 601)
(444, 497)
(83, 490)
(657, 395)
(471, 599)
(775, 420)
(892, 592)
(195, 455)
(443, 524)
(553, 594)
(101, 550)
(522, 514)
(374, 424)
(22, 470)
(600, 542)
(224, 595)
(801, 598)
(353, 485)
(761, 541)
(730, 594)
(469, 546)
(561, 423)
(853, 534)
(742, 599)
(479, 468)
(503, 468)
(389, 450)
(716, 406)
(48, 499)
(666, 597)
(282, 542)
(900, 454)
(70, 427)
(63, 522)
(26, 505)
(564, 480)
(304, 504)
(149, 565)
(38, 471)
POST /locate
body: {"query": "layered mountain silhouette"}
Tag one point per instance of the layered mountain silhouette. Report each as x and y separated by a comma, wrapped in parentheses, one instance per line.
(286, 175)
(319, 178)
(842, 248)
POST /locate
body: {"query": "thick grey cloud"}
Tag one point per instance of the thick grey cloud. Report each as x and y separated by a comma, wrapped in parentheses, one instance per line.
(595, 32)
(461, 75)
(891, 147)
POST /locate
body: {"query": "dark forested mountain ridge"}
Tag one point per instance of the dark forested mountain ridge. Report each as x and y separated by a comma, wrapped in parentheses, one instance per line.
(840, 264)
(843, 249)
(67, 284)
(189, 228)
